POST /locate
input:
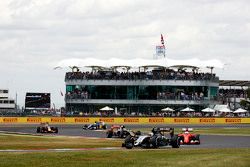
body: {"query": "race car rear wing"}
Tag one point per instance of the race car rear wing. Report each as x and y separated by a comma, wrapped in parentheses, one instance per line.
(166, 129)
(187, 129)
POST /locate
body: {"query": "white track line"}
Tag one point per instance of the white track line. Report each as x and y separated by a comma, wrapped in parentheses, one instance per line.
(61, 149)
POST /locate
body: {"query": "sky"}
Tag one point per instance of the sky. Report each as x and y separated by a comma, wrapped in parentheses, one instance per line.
(36, 34)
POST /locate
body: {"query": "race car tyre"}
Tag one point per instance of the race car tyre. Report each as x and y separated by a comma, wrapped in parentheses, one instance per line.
(129, 145)
(56, 130)
(43, 130)
(129, 142)
(120, 135)
(146, 143)
(175, 141)
(109, 134)
(38, 130)
(181, 138)
(197, 137)
(155, 140)
(85, 127)
(104, 127)
(125, 134)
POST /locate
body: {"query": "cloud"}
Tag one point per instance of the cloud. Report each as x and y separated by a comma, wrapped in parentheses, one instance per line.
(35, 35)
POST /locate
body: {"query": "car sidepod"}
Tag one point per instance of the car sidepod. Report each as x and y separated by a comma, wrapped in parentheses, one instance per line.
(156, 141)
(142, 140)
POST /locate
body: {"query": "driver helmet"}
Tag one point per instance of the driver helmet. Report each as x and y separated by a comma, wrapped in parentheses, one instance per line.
(150, 134)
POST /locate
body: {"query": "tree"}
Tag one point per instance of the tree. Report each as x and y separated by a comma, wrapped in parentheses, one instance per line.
(248, 92)
(245, 104)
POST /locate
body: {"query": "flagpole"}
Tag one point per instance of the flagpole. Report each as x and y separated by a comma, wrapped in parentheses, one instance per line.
(16, 103)
(162, 42)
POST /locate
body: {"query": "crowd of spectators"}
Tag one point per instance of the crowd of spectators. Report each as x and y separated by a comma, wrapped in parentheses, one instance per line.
(82, 94)
(149, 75)
(180, 96)
(228, 93)
(77, 94)
(161, 114)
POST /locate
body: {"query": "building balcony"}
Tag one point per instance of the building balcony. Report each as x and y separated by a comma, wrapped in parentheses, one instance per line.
(106, 82)
(138, 102)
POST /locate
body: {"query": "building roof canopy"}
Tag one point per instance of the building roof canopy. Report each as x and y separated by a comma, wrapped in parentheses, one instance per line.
(234, 83)
(138, 62)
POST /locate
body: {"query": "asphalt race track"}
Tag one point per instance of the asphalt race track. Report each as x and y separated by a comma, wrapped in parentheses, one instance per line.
(207, 141)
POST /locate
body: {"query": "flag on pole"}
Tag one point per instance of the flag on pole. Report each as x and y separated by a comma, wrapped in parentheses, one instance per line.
(163, 45)
(162, 40)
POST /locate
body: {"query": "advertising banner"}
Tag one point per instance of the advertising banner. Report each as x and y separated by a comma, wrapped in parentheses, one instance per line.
(123, 120)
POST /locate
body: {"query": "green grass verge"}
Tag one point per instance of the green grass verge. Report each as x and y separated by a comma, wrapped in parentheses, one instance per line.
(127, 158)
(135, 157)
(226, 131)
(42, 142)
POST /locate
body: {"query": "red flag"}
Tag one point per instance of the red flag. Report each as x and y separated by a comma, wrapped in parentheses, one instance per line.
(162, 40)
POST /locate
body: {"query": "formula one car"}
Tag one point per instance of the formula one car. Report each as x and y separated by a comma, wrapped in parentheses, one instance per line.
(45, 128)
(187, 138)
(118, 131)
(95, 126)
(153, 140)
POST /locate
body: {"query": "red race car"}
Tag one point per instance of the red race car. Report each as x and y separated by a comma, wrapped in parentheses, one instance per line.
(117, 131)
(188, 138)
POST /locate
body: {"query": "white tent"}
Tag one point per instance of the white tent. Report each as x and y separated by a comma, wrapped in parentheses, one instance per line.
(137, 62)
(107, 108)
(240, 110)
(167, 109)
(218, 107)
(225, 110)
(187, 109)
(208, 110)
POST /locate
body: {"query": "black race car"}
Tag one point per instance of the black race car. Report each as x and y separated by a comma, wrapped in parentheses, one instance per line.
(45, 128)
(153, 140)
(96, 126)
(118, 131)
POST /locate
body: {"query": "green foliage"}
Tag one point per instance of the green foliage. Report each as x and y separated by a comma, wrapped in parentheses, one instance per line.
(248, 92)
(245, 104)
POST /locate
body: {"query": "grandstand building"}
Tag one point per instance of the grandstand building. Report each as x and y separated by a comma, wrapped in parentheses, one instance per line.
(139, 86)
(6, 104)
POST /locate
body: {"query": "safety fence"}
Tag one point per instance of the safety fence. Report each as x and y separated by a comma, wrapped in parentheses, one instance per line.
(122, 120)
